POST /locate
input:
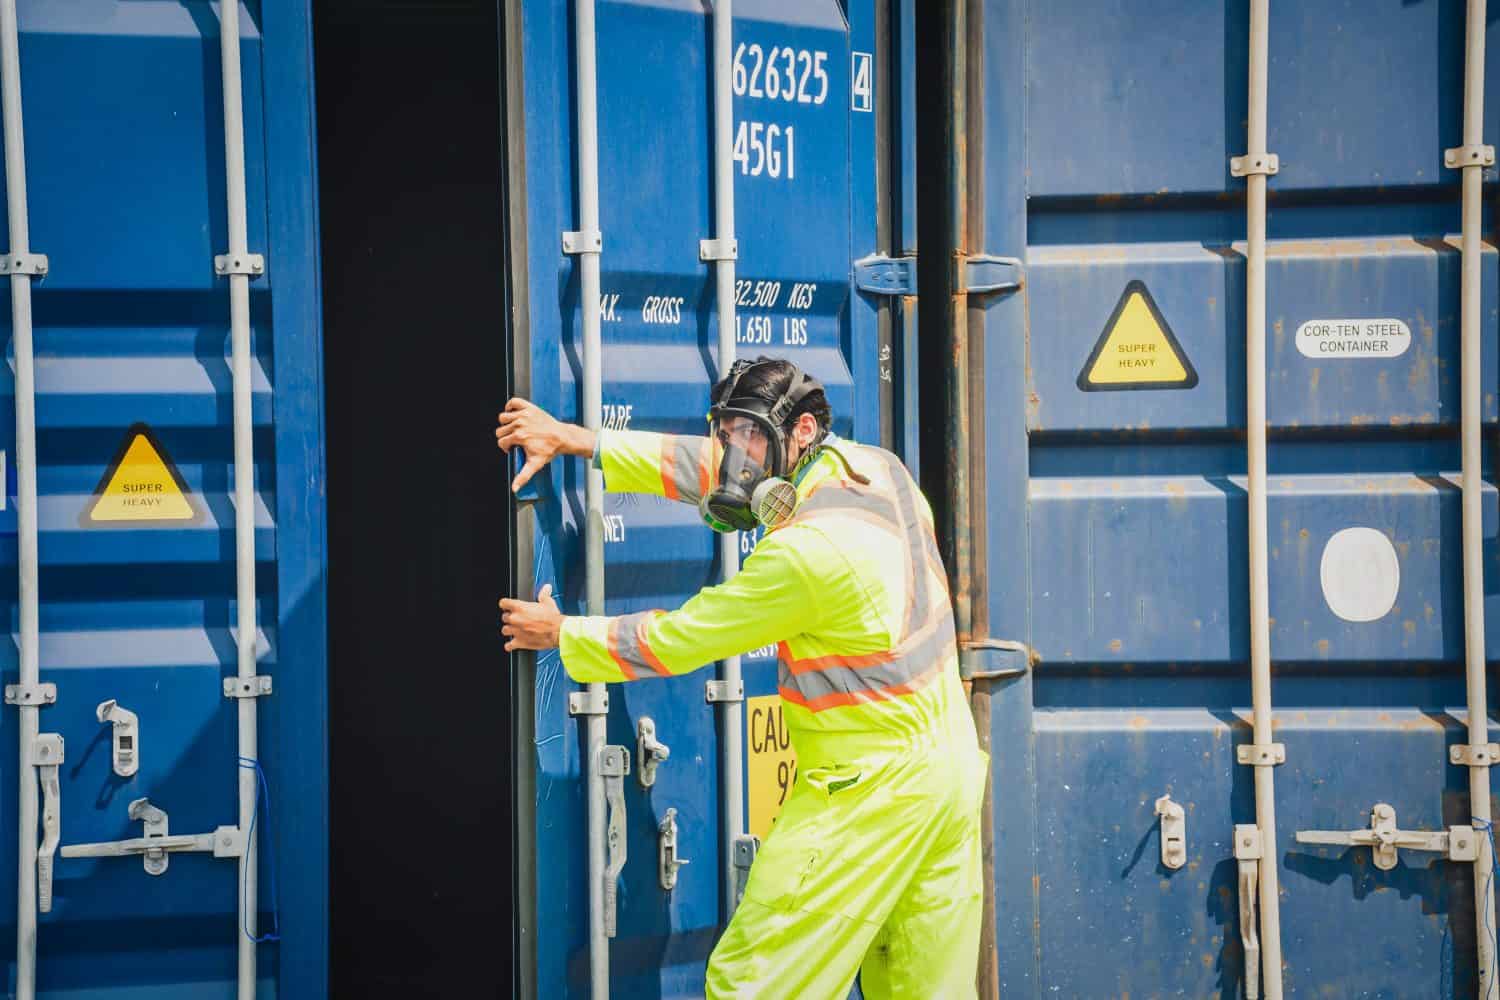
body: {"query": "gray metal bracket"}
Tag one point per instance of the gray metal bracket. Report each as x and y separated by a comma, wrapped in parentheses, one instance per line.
(575, 242)
(717, 692)
(586, 702)
(984, 274)
(712, 250)
(666, 851)
(1248, 166)
(614, 765)
(154, 825)
(1256, 754)
(125, 736)
(1470, 755)
(34, 264)
(881, 275)
(650, 751)
(30, 694)
(994, 659)
(1385, 840)
(1469, 156)
(47, 758)
(746, 847)
(253, 264)
(247, 687)
(1173, 832)
(157, 842)
(1247, 856)
(229, 842)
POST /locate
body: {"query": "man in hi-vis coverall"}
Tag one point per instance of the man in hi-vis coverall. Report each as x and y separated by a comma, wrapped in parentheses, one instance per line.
(873, 865)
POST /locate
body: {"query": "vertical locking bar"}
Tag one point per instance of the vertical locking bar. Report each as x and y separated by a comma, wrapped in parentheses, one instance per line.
(26, 519)
(1471, 159)
(1257, 165)
(246, 933)
(731, 712)
(587, 84)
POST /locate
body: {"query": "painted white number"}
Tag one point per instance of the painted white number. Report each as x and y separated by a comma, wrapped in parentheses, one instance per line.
(765, 150)
(783, 74)
(752, 329)
(864, 84)
(756, 52)
(747, 542)
(757, 294)
(763, 653)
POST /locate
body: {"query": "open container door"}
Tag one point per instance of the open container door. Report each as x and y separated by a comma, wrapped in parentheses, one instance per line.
(1118, 546)
(807, 161)
(125, 159)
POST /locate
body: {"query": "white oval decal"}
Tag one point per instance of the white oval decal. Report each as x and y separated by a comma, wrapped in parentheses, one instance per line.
(1360, 574)
(1353, 338)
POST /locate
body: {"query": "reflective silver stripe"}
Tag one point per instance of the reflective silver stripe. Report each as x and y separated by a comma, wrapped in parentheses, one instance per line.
(929, 642)
(926, 540)
(851, 496)
(900, 515)
(627, 648)
(687, 472)
(848, 685)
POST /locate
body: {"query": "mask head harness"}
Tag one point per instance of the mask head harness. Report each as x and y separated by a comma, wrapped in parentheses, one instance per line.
(752, 486)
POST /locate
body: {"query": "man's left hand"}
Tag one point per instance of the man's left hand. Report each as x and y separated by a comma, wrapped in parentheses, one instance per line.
(531, 624)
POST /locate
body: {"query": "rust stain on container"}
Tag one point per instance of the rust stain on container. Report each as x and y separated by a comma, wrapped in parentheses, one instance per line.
(1115, 645)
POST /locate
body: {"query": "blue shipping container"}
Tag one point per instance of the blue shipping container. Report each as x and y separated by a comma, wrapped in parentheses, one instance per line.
(1117, 545)
(452, 814)
(125, 158)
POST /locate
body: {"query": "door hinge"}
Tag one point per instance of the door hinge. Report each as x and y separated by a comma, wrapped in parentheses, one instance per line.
(983, 274)
(881, 275)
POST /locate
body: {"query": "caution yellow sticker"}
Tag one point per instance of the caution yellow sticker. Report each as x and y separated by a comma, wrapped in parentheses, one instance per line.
(1137, 349)
(141, 484)
(771, 762)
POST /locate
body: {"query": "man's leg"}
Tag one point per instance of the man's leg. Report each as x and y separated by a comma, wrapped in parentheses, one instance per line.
(833, 869)
(929, 946)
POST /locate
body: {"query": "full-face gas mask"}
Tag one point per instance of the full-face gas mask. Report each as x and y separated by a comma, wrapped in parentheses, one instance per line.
(752, 487)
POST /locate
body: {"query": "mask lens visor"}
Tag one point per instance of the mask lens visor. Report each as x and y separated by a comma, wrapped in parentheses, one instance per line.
(747, 451)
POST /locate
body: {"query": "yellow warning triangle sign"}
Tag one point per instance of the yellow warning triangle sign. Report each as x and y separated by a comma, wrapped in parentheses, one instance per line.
(141, 484)
(1137, 349)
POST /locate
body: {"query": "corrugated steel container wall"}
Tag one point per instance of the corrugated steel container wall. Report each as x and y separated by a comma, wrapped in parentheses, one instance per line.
(801, 225)
(1117, 537)
(125, 163)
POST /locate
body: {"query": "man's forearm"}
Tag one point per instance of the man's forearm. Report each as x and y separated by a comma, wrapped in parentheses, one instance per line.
(579, 441)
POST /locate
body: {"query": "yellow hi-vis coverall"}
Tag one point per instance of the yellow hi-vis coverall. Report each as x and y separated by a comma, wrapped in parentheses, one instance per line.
(873, 865)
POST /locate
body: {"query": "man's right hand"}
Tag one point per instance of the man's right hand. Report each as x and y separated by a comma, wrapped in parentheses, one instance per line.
(541, 436)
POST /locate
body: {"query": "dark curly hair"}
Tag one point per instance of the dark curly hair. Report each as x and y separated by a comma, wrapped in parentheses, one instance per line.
(766, 379)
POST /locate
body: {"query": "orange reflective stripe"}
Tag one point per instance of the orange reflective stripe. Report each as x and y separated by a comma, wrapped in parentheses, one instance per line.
(839, 699)
(668, 463)
(705, 467)
(850, 662)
